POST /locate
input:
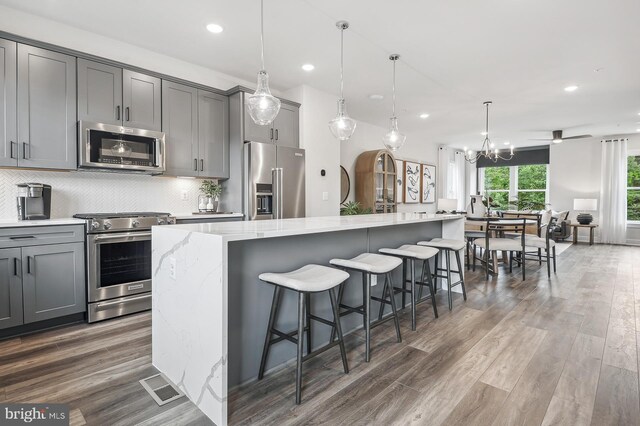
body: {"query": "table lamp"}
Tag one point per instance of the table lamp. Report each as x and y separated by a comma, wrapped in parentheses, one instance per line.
(582, 205)
(447, 205)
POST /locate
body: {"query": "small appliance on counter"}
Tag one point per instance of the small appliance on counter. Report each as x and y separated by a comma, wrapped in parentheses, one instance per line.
(34, 201)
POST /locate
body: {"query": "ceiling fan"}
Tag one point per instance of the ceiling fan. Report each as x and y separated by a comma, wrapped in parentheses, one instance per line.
(556, 137)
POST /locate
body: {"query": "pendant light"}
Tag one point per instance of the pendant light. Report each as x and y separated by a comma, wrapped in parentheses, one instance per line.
(394, 140)
(262, 105)
(342, 126)
(488, 150)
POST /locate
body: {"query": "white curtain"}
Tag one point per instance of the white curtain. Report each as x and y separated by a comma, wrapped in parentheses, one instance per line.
(613, 192)
(460, 181)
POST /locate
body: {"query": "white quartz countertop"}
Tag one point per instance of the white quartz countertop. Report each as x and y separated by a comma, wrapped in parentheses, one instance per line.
(13, 223)
(191, 216)
(257, 229)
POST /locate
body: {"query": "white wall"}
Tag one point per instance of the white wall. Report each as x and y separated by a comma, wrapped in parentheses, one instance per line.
(369, 137)
(575, 172)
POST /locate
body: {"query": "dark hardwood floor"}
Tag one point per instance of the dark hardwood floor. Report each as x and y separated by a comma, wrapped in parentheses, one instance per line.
(559, 351)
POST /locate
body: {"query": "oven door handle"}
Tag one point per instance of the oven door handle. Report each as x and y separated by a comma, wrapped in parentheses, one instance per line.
(129, 236)
(118, 301)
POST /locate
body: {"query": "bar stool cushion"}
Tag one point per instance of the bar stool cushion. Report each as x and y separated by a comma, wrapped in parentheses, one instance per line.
(411, 251)
(500, 244)
(443, 243)
(537, 242)
(369, 262)
(309, 278)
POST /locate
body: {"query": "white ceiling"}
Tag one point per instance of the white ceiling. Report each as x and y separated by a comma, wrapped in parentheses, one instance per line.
(454, 55)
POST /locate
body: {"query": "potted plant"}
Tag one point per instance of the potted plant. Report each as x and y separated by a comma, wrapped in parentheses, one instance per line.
(351, 208)
(210, 192)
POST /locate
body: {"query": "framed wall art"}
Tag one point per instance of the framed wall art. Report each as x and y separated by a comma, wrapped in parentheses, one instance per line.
(428, 184)
(411, 182)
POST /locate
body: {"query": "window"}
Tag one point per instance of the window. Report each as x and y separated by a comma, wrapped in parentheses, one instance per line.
(496, 186)
(517, 187)
(633, 187)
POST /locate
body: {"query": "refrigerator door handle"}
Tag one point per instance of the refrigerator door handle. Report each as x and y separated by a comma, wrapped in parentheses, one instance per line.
(276, 181)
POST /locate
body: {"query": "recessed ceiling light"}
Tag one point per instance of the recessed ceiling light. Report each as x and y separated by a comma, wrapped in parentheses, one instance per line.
(637, 130)
(571, 88)
(423, 116)
(376, 97)
(507, 143)
(308, 67)
(215, 28)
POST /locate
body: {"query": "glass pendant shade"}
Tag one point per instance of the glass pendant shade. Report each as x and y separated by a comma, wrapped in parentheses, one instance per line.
(342, 126)
(262, 105)
(394, 140)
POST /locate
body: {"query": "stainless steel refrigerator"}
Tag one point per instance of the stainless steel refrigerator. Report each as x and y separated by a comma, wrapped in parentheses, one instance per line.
(274, 181)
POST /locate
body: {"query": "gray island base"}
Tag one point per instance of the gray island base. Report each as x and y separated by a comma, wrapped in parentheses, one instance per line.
(210, 311)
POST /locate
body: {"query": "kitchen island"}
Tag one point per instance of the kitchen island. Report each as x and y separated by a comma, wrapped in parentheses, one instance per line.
(210, 311)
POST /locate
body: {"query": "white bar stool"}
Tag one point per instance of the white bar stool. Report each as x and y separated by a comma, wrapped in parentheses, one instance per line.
(306, 280)
(377, 264)
(448, 245)
(409, 254)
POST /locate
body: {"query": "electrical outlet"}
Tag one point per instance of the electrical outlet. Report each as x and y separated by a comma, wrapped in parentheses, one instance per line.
(325, 196)
(172, 267)
(184, 195)
(374, 280)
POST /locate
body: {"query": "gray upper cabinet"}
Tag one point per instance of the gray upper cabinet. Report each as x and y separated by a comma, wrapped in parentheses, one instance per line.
(8, 129)
(213, 134)
(254, 132)
(99, 92)
(10, 288)
(286, 126)
(53, 283)
(46, 109)
(180, 124)
(141, 100)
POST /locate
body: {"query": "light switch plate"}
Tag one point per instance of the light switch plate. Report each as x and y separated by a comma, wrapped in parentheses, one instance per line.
(325, 196)
(184, 195)
(374, 280)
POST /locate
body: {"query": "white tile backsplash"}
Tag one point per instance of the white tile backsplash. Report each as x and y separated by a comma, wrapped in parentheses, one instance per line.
(93, 192)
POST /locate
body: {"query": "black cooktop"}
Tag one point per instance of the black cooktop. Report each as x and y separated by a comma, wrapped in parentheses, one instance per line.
(118, 215)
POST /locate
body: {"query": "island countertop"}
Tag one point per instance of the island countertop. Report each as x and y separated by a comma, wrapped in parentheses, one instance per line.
(248, 230)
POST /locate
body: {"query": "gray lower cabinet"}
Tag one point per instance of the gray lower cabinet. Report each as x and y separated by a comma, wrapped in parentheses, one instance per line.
(180, 125)
(53, 283)
(8, 82)
(99, 92)
(46, 105)
(196, 129)
(213, 134)
(141, 100)
(10, 288)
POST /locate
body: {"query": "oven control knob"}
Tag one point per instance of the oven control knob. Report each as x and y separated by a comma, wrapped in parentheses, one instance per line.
(135, 223)
(95, 225)
(107, 225)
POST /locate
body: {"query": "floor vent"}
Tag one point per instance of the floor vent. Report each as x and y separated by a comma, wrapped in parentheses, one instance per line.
(160, 389)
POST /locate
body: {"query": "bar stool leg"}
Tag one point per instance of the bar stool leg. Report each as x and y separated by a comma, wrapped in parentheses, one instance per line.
(432, 291)
(394, 310)
(404, 283)
(267, 339)
(464, 290)
(366, 279)
(554, 259)
(340, 294)
(412, 264)
(384, 296)
(422, 279)
(548, 263)
(448, 259)
(301, 317)
(336, 318)
(308, 317)
(435, 271)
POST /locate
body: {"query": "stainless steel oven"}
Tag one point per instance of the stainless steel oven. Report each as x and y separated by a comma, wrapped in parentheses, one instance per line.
(109, 147)
(119, 262)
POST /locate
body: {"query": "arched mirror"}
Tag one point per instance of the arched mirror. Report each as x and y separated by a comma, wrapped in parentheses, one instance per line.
(345, 184)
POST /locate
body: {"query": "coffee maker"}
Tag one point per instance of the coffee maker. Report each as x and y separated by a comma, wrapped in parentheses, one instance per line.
(34, 201)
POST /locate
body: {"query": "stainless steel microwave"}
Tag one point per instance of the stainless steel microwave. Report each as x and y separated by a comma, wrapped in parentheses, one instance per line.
(109, 147)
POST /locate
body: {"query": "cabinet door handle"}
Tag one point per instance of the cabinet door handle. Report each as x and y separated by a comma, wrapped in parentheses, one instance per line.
(276, 134)
(118, 112)
(11, 149)
(22, 237)
(271, 133)
(195, 164)
(15, 266)
(28, 264)
(24, 150)
(126, 114)
(201, 165)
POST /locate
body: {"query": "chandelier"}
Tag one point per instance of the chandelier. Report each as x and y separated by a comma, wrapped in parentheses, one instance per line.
(488, 150)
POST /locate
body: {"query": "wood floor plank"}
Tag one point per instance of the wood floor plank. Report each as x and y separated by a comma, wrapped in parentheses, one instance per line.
(386, 408)
(478, 407)
(616, 400)
(76, 418)
(620, 346)
(563, 412)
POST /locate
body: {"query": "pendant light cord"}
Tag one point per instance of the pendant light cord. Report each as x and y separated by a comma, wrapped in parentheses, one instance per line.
(394, 87)
(342, 63)
(262, 32)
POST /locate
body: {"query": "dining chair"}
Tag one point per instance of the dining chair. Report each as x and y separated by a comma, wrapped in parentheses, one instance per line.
(499, 236)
